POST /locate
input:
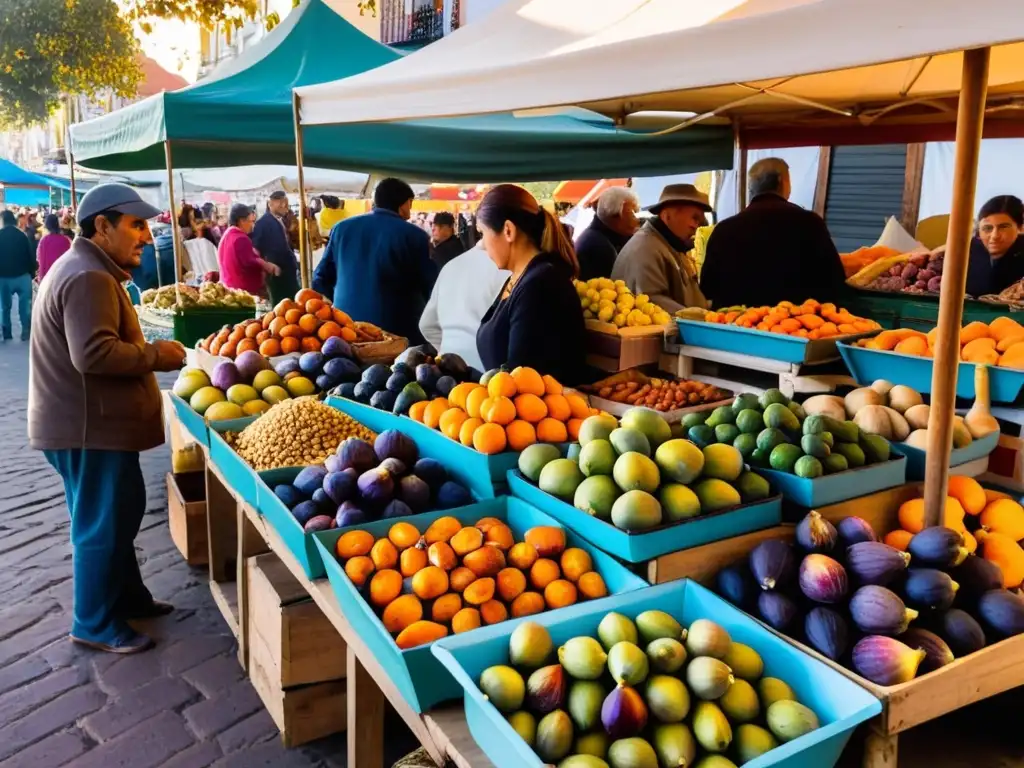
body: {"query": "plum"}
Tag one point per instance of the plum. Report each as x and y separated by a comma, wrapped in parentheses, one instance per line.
(935, 284)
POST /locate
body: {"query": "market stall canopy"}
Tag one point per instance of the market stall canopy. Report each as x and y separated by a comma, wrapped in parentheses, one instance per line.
(13, 175)
(786, 71)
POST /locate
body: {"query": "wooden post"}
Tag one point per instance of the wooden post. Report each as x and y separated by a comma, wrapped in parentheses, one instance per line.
(74, 194)
(970, 121)
(304, 255)
(821, 183)
(175, 232)
(912, 181)
(741, 172)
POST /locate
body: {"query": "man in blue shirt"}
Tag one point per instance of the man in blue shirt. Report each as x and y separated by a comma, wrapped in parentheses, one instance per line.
(270, 238)
(377, 266)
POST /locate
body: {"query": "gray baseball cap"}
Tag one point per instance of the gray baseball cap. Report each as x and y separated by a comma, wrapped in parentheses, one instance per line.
(115, 197)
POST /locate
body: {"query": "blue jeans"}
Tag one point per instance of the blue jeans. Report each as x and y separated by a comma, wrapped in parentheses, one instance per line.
(106, 497)
(22, 287)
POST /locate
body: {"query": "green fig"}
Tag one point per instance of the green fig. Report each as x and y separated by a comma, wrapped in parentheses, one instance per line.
(675, 745)
(525, 725)
(583, 658)
(615, 628)
(627, 663)
(666, 655)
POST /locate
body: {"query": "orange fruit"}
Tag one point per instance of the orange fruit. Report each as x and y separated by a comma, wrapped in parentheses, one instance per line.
(465, 620)
(292, 316)
(502, 385)
(530, 408)
(267, 320)
(552, 431)
(468, 429)
(592, 586)
(262, 336)
(501, 411)
(432, 415)
(340, 317)
(551, 385)
(328, 329)
(575, 562)
(493, 612)
(412, 560)
(348, 334)
(283, 306)
(291, 331)
(430, 582)
(276, 325)
(417, 410)
(558, 407)
(527, 604)
(313, 305)
(520, 434)
(528, 381)
(385, 586)
(289, 345)
(474, 400)
(358, 569)
(227, 349)
(401, 612)
(451, 422)
(310, 344)
(324, 314)
(252, 329)
(578, 406)
(246, 345)
(572, 426)
(558, 594)
(489, 438)
(403, 535)
(306, 294)
(308, 323)
(543, 572)
(460, 392)
(523, 555)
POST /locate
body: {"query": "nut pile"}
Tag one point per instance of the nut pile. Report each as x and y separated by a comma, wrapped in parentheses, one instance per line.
(662, 394)
(297, 432)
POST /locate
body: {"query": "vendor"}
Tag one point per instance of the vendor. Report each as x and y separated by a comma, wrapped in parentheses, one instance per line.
(656, 259)
(536, 320)
(997, 253)
(614, 223)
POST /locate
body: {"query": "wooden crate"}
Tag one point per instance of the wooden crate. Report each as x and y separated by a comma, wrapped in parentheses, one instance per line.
(299, 645)
(186, 515)
(628, 348)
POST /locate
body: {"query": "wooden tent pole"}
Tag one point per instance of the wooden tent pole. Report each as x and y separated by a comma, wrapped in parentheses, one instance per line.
(304, 255)
(741, 169)
(74, 195)
(970, 121)
(175, 232)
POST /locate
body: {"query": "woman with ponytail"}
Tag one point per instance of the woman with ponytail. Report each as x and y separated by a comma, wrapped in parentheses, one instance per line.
(536, 320)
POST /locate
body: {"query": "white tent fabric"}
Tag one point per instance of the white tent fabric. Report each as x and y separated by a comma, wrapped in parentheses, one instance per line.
(624, 56)
(999, 173)
(255, 177)
(803, 176)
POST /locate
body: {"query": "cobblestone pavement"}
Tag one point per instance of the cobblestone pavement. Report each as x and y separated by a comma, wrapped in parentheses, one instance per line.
(186, 704)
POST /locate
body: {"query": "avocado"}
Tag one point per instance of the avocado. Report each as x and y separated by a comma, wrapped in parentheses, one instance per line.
(784, 457)
(694, 419)
(827, 437)
(797, 409)
(853, 453)
(808, 467)
(875, 447)
(746, 401)
(814, 425)
(726, 433)
(779, 416)
(723, 414)
(844, 431)
(410, 394)
(773, 396)
(746, 444)
(834, 462)
(758, 458)
(701, 435)
(767, 439)
(813, 445)
(749, 421)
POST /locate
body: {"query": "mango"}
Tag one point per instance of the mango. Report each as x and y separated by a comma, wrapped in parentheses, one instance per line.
(744, 662)
(716, 494)
(679, 461)
(678, 502)
(650, 423)
(596, 495)
(593, 744)
(223, 410)
(636, 511)
(636, 472)
(740, 703)
(627, 663)
(534, 458)
(504, 687)
(583, 658)
(560, 478)
(598, 427)
(655, 624)
(525, 725)
(624, 440)
(711, 727)
(597, 458)
(724, 462)
(666, 655)
(614, 628)
(584, 760)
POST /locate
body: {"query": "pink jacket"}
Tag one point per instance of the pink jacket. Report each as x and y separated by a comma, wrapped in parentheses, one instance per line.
(240, 267)
(51, 248)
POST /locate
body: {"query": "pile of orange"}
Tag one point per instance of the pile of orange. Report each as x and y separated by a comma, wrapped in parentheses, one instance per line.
(302, 325)
(809, 320)
(510, 412)
(463, 577)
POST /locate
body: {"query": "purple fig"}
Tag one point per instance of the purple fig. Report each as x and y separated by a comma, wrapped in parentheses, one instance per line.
(414, 492)
(357, 454)
(853, 530)
(937, 547)
(879, 611)
(318, 523)
(778, 610)
(349, 514)
(1002, 612)
(396, 508)
(306, 511)
(961, 632)
(333, 463)
(773, 564)
(937, 653)
(935, 284)
(976, 576)
(376, 487)
(929, 589)
(736, 585)
(340, 486)
(872, 562)
(827, 632)
(394, 466)
(816, 534)
(392, 444)
(623, 713)
(822, 579)
(546, 689)
(885, 661)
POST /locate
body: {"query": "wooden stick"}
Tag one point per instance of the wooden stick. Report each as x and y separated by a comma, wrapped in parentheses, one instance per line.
(970, 121)
(741, 172)
(175, 233)
(74, 196)
(304, 261)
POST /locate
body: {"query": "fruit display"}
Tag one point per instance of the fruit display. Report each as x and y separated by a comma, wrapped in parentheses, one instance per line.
(633, 474)
(505, 411)
(645, 692)
(897, 606)
(417, 375)
(363, 481)
(907, 273)
(860, 259)
(302, 325)
(428, 580)
(631, 387)
(999, 343)
(773, 432)
(209, 295)
(295, 433)
(899, 414)
(810, 320)
(612, 302)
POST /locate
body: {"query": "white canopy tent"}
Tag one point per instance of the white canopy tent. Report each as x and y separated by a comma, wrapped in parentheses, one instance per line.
(999, 173)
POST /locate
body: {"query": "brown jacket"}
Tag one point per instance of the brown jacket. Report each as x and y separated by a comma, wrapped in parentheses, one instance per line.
(649, 264)
(90, 381)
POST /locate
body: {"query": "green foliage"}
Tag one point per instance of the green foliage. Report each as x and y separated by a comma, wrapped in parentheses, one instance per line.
(54, 47)
(542, 190)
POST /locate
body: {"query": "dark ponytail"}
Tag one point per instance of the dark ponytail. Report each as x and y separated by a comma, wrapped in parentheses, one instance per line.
(509, 202)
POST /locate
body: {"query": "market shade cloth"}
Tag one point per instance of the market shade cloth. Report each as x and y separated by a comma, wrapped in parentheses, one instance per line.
(13, 175)
(242, 115)
(619, 57)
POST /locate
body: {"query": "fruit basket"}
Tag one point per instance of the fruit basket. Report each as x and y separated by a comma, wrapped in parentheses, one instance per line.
(772, 346)
(193, 422)
(831, 489)
(977, 449)
(867, 365)
(238, 475)
(839, 704)
(415, 672)
(612, 395)
(637, 547)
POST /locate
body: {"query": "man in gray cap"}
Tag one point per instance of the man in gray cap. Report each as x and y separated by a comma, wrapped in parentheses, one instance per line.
(94, 404)
(655, 261)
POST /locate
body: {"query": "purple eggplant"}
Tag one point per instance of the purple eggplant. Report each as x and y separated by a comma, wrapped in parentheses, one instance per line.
(929, 589)
(937, 653)
(773, 564)
(815, 534)
(823, 579)
(961, 632)
(853, 530)
(827, 632)
(872, 562)
(879, 611)
(937, 547)
(885, 661)
(777, 610)
(1002, 612)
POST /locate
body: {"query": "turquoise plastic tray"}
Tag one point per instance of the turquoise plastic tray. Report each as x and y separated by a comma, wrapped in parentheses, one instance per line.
(239, 475)
(193, 423)
(748, 341)
(840, 704)
(299, 543)
(958, 456)
(483, 475)
(641, 547)
(867, 365)
(418, 675)
(842, 486)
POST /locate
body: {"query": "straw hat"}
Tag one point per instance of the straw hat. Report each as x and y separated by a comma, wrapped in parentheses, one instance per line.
(686, 194)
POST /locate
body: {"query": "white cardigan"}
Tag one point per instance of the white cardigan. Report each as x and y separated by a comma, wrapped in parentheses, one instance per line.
(464, 291)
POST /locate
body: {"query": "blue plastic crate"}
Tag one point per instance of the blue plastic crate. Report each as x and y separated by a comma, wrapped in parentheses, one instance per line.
(236, 472)
(415, 672)
(193, 422)
(641, 547)
(840, 704)
(916, 457)
(484, 475)
(841, 486)
(748, 341)
(867, 365)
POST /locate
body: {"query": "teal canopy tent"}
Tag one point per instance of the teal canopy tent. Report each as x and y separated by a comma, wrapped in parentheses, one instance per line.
(23, 187)
(242, 115)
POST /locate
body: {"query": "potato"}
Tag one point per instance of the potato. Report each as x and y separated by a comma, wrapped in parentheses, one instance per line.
(825, 405)
(903, 398)
(917, 416)
(860, 398)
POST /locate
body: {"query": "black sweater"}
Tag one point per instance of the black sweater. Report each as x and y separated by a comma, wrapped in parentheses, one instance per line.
(596, 249)
(539, 325)
(986, 275)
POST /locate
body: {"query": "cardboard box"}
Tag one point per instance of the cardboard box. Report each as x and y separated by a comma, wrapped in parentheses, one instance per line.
(629, 348)
(186, 515)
